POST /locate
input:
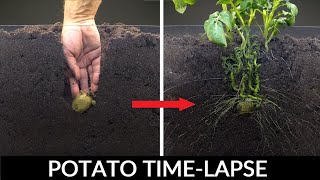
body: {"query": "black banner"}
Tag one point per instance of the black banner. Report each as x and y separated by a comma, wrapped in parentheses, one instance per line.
(13, 168)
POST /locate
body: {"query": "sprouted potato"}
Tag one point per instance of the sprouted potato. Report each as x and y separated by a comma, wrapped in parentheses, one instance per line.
(83, 102)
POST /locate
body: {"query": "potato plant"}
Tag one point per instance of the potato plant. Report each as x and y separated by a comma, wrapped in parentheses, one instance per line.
(242, 67)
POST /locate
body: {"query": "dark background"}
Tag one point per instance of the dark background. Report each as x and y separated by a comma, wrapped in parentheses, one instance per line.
(130, 12)
(309, 13)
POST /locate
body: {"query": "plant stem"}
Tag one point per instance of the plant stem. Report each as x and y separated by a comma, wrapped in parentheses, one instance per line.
(268, 18)
(238, 14)
(224, 7)
(252, 15)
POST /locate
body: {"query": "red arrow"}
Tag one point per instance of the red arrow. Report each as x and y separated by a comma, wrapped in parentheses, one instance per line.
(182, 104)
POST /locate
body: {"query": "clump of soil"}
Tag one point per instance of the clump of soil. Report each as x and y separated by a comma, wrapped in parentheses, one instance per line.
(36, 117)
(290, 78)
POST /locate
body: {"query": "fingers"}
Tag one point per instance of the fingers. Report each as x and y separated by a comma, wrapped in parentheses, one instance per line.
(72, 63)
(94, 73)
(86, 58)
(74, 86)
(84, 80)
(90, 72)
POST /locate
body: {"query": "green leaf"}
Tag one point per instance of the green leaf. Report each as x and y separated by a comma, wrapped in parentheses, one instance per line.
(285, 13)
(262, 3)
(291, 20)
(215, 29)
(237, 2)
(227, 19)
(244, 5)
(291, 17)
(282, 21)
(293, 8)
(180, 6)
(224, 2)
(214, 15)
(190, 2)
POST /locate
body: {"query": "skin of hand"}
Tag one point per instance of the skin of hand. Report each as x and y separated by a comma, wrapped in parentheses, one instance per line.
(81, 45)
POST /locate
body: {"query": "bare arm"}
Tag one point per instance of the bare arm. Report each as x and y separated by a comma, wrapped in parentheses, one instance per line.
(77, 11)
(81, 44)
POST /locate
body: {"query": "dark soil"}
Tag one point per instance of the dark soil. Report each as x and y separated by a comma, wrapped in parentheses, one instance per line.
(290, 78)
(36, 117)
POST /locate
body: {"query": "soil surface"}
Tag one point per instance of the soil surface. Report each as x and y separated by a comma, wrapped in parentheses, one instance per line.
(36, 117)
(290, 78)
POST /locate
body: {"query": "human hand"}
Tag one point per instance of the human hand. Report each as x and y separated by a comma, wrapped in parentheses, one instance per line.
(82, 49)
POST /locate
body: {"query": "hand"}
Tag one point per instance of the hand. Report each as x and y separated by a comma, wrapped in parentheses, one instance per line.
(82, 49)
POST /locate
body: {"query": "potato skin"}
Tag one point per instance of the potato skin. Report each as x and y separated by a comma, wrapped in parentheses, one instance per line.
(82, 103)
(246, 106)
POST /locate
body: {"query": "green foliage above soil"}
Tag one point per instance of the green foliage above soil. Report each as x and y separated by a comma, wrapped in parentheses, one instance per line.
(242, 67)
(181, 5)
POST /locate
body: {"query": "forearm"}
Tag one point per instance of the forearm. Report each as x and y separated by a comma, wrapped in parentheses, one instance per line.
(78, 11)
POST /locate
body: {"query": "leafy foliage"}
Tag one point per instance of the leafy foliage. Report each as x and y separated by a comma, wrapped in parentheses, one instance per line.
(181, 5)
(237, 16)
(214, 27)
(241, 13)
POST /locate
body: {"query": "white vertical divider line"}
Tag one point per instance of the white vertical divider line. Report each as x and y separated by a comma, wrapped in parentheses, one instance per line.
(161, 76)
